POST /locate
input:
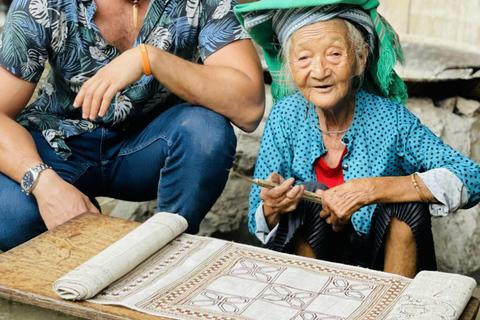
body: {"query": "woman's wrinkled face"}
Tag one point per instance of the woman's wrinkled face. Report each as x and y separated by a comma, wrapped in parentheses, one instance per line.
(323, 63)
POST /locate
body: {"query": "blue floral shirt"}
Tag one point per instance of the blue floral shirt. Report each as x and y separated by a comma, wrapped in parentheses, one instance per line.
(64, 33)
(385, 139)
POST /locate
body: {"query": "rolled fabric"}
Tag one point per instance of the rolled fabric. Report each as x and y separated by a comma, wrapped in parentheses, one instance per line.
(434, 295)
(91, 277)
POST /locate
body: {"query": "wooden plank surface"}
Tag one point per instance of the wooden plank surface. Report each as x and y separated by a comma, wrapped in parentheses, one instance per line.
(28, 271)
(471, 310)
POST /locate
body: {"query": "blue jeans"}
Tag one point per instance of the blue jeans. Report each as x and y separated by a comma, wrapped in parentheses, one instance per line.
(181, 158)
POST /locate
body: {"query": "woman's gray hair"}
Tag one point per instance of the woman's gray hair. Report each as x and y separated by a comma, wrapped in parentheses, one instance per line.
(359, 46)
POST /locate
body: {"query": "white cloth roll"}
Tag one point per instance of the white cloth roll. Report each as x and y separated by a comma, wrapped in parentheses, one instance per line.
(91, 277)
(434, 295)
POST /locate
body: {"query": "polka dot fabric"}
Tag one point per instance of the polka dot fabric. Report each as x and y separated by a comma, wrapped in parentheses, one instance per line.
(385, 139)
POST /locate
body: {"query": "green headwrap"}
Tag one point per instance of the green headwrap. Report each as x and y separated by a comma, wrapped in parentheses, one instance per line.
(380, 78)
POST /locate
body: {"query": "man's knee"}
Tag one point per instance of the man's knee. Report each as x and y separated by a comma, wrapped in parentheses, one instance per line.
(206, 133)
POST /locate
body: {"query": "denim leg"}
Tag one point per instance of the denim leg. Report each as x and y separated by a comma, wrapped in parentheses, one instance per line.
(20, 219)
(183, 155)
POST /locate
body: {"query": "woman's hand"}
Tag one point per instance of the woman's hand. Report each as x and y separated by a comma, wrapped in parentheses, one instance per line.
(59, 201)
(280, 199)
(97, 93)
(340, 202)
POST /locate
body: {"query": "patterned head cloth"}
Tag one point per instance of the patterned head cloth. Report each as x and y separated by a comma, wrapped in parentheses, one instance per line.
(271, 22)
(286, 22)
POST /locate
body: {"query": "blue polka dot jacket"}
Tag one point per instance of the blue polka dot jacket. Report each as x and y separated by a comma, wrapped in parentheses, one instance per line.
(385, 139)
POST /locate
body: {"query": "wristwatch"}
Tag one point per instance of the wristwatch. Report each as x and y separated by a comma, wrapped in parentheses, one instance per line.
(30, 177)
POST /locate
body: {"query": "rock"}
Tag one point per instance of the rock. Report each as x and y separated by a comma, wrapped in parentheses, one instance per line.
(428, 114)
(468, 107)
(456, 239)
(228, 219)
(137, 211)
(454, 129)
(426, 61)
(447, 104)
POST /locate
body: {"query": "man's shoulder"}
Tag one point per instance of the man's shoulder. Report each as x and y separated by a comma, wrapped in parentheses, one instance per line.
(39, 6)
(48, 12)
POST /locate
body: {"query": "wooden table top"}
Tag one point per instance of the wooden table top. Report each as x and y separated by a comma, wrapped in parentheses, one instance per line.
(27, 272)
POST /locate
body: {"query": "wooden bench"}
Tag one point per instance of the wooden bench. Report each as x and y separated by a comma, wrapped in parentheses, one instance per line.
(28, 271)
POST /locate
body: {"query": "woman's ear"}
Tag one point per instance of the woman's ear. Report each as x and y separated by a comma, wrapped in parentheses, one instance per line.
(362, 61)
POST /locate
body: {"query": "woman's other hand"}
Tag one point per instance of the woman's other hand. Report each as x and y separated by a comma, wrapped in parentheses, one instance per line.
(97, 92)
(281, 199)
(341, 202)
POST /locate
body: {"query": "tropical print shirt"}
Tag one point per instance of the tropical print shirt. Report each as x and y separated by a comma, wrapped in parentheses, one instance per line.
(64, 33)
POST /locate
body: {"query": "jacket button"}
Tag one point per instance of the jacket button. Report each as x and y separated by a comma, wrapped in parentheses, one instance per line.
(346, 140)
(345, 166)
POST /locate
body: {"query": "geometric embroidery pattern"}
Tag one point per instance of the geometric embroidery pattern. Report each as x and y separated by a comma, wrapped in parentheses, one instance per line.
(342, 288)
(292, 297)
(199, 278)
(224, 302)
(251, 270)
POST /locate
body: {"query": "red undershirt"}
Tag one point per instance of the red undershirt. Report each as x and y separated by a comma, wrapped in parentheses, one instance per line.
(331, 177)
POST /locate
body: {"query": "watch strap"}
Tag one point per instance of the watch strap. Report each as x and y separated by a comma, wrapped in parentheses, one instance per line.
(32, 173)
(40, 167)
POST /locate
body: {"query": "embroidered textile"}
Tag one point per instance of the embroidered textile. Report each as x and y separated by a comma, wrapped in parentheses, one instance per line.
(195, 277)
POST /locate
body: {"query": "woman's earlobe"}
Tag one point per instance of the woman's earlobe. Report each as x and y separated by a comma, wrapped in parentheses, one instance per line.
(360, 68)
(363, 63)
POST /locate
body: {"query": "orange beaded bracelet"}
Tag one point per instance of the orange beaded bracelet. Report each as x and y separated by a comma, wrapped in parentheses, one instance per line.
(146, 63)
(415, 185)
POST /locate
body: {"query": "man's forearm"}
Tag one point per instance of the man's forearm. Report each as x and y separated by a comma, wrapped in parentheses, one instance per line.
(226, 90)
(17, 149)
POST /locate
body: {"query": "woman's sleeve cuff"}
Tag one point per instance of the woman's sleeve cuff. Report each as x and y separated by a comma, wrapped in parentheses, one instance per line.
(263, 232)
(447, 188)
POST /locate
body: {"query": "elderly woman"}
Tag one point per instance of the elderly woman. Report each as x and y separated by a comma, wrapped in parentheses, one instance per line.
(346, 135)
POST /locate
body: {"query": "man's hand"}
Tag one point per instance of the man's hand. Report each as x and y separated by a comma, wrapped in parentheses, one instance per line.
(59, 201)
(280, 199)
(97, 93)
(341, 202)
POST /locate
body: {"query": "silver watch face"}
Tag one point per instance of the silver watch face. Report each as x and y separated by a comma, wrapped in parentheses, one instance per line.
(27, 181)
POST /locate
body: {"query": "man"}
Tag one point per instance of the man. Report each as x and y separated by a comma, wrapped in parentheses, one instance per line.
(100, 126)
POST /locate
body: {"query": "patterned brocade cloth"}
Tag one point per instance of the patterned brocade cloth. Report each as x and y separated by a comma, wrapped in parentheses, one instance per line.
(64, 33)
(196, 277)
